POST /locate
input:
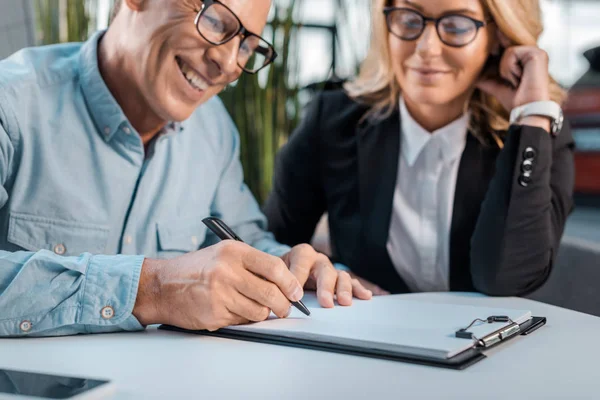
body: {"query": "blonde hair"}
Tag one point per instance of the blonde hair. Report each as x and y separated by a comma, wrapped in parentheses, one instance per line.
(519, 20)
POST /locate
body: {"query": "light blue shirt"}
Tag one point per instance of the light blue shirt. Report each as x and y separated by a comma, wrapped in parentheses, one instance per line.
(81, 205)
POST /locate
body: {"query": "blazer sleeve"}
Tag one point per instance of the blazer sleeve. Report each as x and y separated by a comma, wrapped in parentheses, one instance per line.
(297, 200)
(519, 228)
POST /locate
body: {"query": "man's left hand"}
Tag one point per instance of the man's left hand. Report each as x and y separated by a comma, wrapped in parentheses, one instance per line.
(314, 271)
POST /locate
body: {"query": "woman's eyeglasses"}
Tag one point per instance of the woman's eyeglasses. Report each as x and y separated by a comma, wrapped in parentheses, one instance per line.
(453, 30)
(217, 24)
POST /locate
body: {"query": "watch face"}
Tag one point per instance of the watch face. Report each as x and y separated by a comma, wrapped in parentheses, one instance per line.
(557, 124)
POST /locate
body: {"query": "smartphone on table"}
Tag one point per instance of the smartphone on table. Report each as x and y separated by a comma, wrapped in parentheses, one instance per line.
(24, 385)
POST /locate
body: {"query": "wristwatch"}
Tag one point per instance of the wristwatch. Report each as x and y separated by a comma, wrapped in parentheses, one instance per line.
(548, 109)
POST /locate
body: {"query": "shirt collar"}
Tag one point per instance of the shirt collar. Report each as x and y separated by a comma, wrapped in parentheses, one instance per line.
(453, 136)
(106, 113)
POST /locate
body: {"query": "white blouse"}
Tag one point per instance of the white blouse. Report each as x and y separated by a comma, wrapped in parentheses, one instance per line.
(419, 235)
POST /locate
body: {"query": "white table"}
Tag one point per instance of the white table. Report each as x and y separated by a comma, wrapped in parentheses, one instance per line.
(558, 361)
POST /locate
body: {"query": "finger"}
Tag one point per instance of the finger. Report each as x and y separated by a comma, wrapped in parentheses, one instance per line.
(363, 282)
(228, 320)
(301, 259)
(263, 292)
(496, 89)
(370, 287)
(504, 41)
(377, 291)
(343, 289)
(517, 70)
(527, 57)
(527, 54)
(326, 277)
(235, 319)
(248, 308)
(310, 284)
(507, 64)
(360, 291)
(274, 270)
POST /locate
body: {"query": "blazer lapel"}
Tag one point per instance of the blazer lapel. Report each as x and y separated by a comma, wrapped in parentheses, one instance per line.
(378, 155)
(474, 173)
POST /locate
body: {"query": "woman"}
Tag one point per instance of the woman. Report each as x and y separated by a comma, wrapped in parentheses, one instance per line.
(429, 182)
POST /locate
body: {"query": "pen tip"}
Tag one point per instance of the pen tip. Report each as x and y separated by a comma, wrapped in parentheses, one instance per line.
(300, 306)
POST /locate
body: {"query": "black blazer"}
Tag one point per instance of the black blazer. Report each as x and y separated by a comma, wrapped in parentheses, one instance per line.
(503, 237)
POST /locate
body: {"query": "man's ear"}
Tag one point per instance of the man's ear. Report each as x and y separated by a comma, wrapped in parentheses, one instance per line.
(135, 5)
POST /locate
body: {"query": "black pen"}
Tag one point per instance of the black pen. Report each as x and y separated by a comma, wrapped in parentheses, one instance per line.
(224, 232)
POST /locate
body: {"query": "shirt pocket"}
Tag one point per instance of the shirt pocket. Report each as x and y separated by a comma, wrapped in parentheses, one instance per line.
(34, 233)
(179, 236)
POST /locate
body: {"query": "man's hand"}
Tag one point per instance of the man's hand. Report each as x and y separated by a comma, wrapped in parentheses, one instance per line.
(314, 271)
(376, 290)
(215, 287)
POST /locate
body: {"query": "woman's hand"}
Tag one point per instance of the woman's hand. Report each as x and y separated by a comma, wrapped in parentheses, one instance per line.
(526, 79)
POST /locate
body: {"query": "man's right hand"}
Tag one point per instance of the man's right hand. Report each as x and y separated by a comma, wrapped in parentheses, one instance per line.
(215, 287)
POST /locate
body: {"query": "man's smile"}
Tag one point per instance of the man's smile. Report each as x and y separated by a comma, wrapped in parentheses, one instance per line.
(192, 76)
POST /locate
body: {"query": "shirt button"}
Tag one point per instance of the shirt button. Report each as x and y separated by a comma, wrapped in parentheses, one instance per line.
(107, 130)
(107, 312)
(25, 326)
(128, 239)
(60, 249)
(127, 130)
(195, 240)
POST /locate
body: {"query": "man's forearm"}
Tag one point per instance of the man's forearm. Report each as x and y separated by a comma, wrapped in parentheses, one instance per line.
(43, 294)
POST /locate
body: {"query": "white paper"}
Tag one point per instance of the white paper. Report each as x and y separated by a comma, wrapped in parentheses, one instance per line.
(389, 323)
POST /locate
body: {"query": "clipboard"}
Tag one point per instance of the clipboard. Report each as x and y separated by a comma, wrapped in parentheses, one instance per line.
(461, 361)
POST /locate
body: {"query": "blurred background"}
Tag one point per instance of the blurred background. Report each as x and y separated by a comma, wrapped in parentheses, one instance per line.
(321, 42)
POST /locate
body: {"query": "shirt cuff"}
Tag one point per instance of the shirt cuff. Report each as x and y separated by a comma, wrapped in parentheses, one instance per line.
(272, 247)
(341, 267)
(109, 295)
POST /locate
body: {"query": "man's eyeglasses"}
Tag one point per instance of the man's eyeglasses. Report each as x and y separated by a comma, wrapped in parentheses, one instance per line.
(217, 24)
(453, 30)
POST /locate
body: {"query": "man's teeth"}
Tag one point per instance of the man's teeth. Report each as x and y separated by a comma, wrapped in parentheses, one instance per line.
(192, 77)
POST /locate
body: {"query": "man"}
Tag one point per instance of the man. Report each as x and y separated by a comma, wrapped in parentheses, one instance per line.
(118, 146)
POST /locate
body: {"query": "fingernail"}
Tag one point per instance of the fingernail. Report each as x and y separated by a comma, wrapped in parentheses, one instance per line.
(327, 298)
(288, 312)
(345, 296)
(298, 293)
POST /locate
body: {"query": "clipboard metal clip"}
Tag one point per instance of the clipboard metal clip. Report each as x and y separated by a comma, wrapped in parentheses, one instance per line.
(494, 337)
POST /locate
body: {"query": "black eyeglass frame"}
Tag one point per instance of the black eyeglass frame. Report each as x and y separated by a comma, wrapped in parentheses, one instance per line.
(478, 24)
(242, 31)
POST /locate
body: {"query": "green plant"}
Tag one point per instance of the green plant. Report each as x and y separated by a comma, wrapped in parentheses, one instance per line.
(265, 107)
(62, 21)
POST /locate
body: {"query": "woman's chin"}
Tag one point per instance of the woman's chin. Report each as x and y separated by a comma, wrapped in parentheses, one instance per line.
(433, 96)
